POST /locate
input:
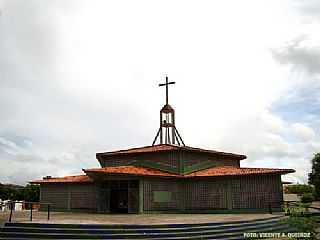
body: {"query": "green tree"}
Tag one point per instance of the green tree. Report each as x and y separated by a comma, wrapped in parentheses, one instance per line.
(31, 193)
(7, 193)
(314, 176)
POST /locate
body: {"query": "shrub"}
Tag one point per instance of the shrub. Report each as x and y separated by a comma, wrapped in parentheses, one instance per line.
(307, 198)
(297, 209)
(303, 224)
(300, 189)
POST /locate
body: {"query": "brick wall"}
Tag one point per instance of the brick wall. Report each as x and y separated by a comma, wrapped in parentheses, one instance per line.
(256, 191)
(152, 185)
(83, 196)
(56, 194)
(170, 158)
(191, 158)
(245, 192)
(167, 158)
(69, 196)
(204, 194)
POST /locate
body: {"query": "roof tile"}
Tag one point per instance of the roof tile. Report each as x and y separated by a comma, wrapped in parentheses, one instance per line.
(143, 171)
(168, 147)
(66, 179)
(234, 171)
(131, 170)
(210, 172)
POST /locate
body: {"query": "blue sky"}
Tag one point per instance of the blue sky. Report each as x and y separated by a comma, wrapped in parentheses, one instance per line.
(79, 77)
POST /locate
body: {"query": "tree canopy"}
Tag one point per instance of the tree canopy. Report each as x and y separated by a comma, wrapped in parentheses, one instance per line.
(314, 176)
(29, 193)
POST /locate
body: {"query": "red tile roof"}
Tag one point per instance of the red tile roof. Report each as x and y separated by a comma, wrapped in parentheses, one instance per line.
(66, 179)
(130, 170)
(210, 172)
(167, 147)
(234, 171)
(143, 171)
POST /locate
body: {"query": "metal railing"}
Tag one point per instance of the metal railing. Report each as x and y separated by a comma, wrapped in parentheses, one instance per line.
(30, 206)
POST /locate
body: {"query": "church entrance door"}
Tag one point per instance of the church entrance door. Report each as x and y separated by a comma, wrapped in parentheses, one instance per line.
(119, 197)
(124, 196)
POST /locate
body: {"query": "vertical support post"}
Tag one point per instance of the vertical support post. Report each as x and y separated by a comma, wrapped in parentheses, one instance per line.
(48, 212)
(182, 191)
(167, 136)
(129, 203)
(173, 132)
(98, 196)
(167, 91)
(69, 197)
(270, 208)
(141, 196)
(155, 139)
(30, 212)
(107, 196)
(11, 209)
(161, 140)
(179, 136)
(229, 194)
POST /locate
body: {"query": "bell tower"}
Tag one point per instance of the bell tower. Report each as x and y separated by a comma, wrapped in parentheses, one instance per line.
(167, 133)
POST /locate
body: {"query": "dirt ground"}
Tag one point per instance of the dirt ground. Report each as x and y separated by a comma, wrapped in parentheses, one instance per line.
(62, 217)
(3, 218)
(316, 204)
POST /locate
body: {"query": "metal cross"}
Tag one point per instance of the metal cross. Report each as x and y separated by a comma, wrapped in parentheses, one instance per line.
(167, 89)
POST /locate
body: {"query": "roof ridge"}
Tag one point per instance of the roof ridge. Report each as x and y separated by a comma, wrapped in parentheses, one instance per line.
(68, 176)
(136, 148)
(168, 147)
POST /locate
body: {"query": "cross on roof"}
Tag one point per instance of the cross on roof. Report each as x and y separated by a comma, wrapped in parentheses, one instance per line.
(167, 88)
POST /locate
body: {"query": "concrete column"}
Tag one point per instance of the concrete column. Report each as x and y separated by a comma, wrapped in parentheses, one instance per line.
(98, 197)
(141, 183)
(182, 195)
(229, 194)
(69, 197)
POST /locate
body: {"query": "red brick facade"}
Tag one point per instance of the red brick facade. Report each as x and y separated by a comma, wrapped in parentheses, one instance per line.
(167, 158)
(194, 180)
(247, 192)
(70, 196)
(218, 193)
(170, 158)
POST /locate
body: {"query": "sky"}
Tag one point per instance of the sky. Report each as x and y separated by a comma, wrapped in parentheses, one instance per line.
(80, 77)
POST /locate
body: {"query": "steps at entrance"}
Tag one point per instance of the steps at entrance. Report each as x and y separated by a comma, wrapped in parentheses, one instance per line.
(221, 230)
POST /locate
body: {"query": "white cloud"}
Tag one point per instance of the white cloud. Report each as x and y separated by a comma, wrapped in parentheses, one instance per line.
(82, 77)
(8, 143)
(303, 132)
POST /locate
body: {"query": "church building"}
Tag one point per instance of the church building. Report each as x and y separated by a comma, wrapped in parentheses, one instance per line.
(167, 176)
